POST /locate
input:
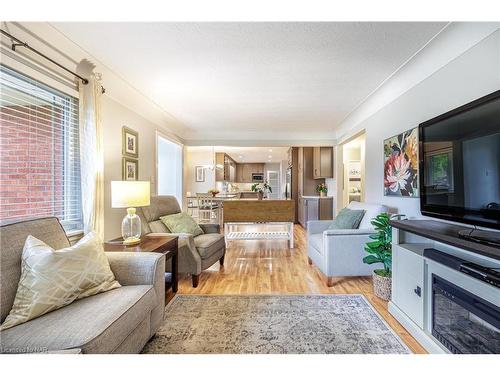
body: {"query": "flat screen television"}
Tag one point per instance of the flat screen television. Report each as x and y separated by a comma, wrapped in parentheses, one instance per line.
(459, 158)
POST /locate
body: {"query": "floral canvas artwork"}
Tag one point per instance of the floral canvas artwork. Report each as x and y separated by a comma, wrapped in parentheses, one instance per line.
(401, 164)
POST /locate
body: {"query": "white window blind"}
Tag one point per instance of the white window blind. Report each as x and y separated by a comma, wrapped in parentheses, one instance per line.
(40, 153)
(169, 167)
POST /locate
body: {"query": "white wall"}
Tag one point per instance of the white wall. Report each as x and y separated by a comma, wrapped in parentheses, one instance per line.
(114, 116)
(196, 156)
(474, 73)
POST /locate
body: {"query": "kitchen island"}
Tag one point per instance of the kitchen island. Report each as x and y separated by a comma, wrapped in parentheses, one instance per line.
(254, 212)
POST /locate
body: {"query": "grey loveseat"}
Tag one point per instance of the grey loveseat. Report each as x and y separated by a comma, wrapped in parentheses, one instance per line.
(118, 321)
(195, 253)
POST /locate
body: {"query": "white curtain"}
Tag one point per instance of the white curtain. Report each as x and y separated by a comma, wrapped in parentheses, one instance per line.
(92, 156)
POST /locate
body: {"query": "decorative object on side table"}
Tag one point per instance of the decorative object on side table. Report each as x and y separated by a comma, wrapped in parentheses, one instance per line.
(380, 250)
(401, 165)
(261, 189)
(130, 169)
(322, 190)
(130, 194)
(214, 192)
(167, 245)
(130, 142)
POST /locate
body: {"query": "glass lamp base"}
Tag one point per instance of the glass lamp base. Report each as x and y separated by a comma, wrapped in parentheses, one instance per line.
(131, 228)
(131, 240)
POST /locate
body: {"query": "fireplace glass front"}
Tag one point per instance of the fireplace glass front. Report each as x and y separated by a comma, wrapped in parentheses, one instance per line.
(462, 322)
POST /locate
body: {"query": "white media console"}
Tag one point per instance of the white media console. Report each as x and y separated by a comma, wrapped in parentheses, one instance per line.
(420, 300)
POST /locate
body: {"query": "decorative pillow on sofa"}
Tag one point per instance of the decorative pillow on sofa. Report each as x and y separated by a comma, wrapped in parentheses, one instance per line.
(348, 219)
(181, 223)
(51, 279)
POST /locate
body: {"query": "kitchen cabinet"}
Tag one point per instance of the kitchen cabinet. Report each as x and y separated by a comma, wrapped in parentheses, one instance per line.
(244, 171)
(314, 209)
(225, 168)
(322, 162)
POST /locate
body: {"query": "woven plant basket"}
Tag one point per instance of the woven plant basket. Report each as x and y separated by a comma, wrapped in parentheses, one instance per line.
(382, 286)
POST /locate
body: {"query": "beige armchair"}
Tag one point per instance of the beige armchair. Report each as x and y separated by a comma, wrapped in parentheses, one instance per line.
(196, 253)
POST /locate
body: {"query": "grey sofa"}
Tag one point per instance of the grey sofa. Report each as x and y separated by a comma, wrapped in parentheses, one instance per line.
(340, 252)
(118, 321)
(195, 253)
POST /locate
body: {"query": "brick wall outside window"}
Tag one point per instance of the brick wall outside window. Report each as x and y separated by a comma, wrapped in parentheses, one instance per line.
(39, 165)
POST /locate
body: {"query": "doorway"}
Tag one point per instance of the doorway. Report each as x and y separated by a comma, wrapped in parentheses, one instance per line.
(353, 167)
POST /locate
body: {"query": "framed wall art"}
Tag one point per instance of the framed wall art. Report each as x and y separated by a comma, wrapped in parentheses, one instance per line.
(200, 174)
(401, 165)
(130, 169)
(130, 142)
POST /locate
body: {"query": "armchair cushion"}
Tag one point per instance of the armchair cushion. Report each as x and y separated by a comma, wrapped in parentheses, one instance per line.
(157, 226)
(181, 223)
(371, 209)
(348, 219)
(209, 244)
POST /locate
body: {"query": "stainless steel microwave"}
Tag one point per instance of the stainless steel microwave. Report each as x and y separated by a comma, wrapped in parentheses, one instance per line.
(257, 177)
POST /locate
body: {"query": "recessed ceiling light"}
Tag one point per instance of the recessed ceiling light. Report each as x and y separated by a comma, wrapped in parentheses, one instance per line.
(241, 157)
(270, 150)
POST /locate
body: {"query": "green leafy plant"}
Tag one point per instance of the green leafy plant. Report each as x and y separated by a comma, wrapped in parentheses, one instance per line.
(262, 187)
(380, 249)
(321, 188)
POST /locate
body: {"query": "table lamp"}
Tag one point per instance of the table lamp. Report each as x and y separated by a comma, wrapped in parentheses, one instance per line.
(130, 194)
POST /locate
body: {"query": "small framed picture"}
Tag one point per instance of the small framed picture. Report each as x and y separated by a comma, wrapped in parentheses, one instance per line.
(200, 174)
(130, 169)
(130, 142)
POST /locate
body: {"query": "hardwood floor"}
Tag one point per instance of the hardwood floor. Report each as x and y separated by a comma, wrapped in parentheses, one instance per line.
(270, 267)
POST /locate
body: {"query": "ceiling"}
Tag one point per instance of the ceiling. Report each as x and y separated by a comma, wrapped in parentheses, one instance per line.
(255, 154)
(254, 80)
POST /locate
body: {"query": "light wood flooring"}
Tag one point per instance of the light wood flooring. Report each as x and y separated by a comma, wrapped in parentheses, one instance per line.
(270, 267)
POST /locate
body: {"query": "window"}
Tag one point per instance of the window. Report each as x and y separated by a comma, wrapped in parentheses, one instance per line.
(40, 153)
(169, 167)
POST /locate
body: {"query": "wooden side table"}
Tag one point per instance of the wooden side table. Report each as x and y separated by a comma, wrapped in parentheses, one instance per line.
(157, 244)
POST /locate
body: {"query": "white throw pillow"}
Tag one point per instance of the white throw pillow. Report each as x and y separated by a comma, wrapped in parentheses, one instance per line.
(51, 279)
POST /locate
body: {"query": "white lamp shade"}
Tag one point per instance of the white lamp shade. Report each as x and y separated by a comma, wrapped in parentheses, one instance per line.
(129, 194)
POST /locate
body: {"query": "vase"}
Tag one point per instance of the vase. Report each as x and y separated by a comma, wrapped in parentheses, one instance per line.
(214, 194)
(260, 195)
(382, 286)
(322, 193)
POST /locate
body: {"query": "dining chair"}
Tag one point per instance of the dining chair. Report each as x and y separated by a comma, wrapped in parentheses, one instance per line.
(208, 208)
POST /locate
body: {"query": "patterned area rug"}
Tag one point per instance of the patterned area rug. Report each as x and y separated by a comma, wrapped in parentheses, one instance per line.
(274, 324)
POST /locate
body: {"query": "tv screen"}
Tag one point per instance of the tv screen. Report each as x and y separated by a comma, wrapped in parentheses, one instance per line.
(460, 164)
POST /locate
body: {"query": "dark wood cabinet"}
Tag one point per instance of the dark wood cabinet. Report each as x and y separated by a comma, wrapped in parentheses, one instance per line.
(314, 209)
(244, 171)
(225, 168)
(322, 162)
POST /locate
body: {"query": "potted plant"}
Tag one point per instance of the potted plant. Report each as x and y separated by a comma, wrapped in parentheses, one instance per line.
(380, 251)
(214, 192)
(322, 190)
(261, 189)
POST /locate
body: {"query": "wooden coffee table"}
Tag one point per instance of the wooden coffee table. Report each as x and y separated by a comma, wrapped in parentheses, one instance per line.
(156, 244)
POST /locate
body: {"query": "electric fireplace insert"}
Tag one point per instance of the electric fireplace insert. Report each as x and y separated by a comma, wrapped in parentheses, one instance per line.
(462, 322)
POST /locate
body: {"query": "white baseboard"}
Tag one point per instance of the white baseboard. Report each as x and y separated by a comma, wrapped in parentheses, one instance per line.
(423, 338)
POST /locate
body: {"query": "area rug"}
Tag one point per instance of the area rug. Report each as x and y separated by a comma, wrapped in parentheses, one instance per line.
(274, 324)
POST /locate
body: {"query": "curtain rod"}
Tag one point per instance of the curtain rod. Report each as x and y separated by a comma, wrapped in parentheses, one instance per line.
(20, 43)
